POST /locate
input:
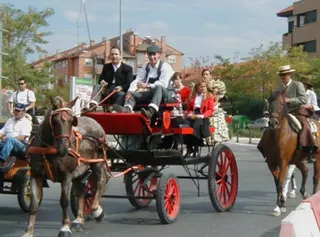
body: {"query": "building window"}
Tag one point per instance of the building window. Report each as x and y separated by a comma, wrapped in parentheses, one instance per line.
(290, 26)
(171, 59)
(310, 17)
(100, 61)
(140, 58)
(310, 46)
(88, 62)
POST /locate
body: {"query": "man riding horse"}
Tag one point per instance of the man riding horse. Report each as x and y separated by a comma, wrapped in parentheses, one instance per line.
(294, 96)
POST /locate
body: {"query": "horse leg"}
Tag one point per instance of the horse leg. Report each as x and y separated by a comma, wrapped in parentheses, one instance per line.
(275, 172)
(287, 180)
(98, 181)
(316, 170)
(282, 173)
(292, 194)
(64, 202)
(35, 189)
(304, 172)
(78, 223)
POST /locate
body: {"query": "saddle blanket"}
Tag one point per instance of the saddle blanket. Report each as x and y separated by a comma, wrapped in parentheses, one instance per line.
(298, 126)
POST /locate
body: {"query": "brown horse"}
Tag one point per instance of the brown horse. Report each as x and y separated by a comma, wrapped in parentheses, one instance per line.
(279, 145)
(58, 153)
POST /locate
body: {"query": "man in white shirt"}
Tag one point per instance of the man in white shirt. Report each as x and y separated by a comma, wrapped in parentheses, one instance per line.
(23, 96)
(312, 103)
(14, 134)
(150, 85)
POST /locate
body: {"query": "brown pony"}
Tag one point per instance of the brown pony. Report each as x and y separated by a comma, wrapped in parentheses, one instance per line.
(279, 145)
(57, 152)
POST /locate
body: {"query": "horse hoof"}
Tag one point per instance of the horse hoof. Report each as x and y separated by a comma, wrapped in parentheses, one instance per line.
(276, 213)
(64, 234)
(76, 226)
(305, 195)
(283, 209)
(291, 195)
(100, 217)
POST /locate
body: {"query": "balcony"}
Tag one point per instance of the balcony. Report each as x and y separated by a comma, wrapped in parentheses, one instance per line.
(287, 39)
(98, 68)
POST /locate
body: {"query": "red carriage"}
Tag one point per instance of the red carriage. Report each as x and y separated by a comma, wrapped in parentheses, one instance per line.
(151, 151)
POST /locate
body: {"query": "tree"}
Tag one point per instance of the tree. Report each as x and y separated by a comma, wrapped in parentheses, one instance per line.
(22, 38)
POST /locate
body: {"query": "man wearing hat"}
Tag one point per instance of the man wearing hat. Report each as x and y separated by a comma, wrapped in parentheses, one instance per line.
(295, 97)
(150, 85)
(15, 134)
(312, 103)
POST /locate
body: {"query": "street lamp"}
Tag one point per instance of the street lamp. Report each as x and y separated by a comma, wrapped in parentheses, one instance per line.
(120, 26)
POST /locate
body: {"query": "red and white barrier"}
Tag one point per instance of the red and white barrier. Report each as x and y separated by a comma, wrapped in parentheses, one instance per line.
(304, 221)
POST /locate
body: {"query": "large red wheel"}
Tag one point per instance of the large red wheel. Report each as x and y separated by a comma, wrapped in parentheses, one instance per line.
(168, 199)
(88, 199)
(222, 178)
(137, 187)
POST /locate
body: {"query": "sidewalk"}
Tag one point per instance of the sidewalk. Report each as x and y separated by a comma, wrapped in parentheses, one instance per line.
(245, 140)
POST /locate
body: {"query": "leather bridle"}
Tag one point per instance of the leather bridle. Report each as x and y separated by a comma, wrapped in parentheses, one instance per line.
(64, 113)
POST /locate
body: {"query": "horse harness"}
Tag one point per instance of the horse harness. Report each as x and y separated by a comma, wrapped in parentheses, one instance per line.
(51, 150)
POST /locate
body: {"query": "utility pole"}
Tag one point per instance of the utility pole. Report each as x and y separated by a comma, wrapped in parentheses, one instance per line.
(120, 26)
(1, 53)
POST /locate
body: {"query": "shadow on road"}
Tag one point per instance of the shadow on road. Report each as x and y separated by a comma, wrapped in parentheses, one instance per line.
(272, 233)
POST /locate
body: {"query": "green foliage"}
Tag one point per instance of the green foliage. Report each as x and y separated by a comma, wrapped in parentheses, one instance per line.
(251, 81)
(24, 36)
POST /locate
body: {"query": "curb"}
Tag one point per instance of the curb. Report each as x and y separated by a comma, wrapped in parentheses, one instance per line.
(304, 220)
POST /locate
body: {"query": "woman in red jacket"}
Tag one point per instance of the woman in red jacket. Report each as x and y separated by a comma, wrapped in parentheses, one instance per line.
(199, 109)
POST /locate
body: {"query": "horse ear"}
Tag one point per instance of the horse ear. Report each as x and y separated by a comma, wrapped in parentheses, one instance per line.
(72, 102)
(75, 121)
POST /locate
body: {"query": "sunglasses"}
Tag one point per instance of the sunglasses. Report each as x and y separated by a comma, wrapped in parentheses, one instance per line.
(20, 84)
(17, 110)
(151, 54)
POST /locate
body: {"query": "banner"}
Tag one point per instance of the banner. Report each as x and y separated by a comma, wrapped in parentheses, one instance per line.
(81, 87)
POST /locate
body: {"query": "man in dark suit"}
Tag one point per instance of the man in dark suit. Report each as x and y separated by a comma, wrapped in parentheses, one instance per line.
(114, 76)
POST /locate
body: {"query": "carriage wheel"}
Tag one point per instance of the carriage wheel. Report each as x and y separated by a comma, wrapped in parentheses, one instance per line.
(223, 178)
(88, 199)
(168, 199)
(135, 187)
(24, 194)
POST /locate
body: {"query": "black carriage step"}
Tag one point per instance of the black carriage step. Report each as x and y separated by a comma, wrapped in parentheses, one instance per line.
(196, 160)
(125, 196)
(7, 192)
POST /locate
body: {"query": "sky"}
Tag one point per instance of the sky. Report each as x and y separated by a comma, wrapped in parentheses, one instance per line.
(198, 28)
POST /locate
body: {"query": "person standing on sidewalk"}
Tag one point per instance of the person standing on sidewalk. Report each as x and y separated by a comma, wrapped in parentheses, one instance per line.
(24, 96)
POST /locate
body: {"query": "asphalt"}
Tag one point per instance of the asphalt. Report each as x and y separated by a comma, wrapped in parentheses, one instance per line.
(250, 216)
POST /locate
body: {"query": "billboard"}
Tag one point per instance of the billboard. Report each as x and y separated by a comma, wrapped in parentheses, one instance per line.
(81, 87)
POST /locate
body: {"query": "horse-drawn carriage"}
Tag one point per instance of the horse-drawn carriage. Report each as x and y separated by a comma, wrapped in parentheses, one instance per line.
(151, 150)
(69, 149)
(15, 179)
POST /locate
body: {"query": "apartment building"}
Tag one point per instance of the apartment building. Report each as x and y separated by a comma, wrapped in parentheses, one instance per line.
(303, 26)
(87, 61)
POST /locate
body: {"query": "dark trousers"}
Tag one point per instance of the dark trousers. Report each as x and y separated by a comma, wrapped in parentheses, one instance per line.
(200, 130)
(153, 97)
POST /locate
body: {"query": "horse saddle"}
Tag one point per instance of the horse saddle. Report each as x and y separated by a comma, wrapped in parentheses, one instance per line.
(297, 127)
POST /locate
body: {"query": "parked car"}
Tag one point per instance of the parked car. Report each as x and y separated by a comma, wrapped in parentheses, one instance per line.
(260, 123)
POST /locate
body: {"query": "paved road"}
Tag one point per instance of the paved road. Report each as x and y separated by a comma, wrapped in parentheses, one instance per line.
(250, 216)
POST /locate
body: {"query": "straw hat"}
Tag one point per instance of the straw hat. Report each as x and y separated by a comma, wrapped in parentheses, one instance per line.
(285, 69)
